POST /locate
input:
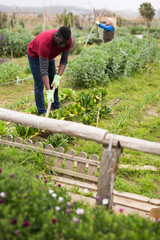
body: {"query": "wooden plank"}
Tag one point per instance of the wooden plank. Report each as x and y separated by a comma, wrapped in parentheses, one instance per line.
(116, 208)
(9, 138)
(129, 211)
(92, 169)
(18, 140)
(75, 174)
(145, 207)
(54, 125)
(29, 142)
(48, 152)
(69, 164)
(81, 166)
(79, 130)
(107, 174)
(134, 144)
(75, 183)
(58, 161)
(38, 144)
(137, 197)
(48, 157)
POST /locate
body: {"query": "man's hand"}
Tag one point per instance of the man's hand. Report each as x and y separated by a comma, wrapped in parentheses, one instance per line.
(56, 80)
(50, 96)
(97, 22)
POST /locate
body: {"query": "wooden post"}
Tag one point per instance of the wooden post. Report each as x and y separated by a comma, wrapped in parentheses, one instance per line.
(108, 168)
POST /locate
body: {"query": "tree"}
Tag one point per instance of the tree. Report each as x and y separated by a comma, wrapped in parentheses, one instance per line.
(146, 10)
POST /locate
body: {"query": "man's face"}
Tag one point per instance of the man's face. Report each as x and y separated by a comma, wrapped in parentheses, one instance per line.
(60, 41)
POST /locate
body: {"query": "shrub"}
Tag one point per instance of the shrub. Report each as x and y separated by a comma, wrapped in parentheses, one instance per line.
(120, 57)
(31, 208)
(9, 71)
(17, 42)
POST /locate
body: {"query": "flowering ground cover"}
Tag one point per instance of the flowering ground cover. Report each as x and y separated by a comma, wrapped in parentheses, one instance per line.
(34, 208)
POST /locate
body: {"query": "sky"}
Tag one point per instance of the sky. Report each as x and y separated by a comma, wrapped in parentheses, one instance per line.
(90, 4)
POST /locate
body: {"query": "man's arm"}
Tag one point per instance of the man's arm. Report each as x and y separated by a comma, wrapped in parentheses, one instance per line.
(44, 64)
(105, 27)
(63, 62)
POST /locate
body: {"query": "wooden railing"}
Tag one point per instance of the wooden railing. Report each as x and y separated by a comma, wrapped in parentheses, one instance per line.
(112, 148)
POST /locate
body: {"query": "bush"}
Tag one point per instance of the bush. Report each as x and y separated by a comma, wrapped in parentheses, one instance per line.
(31, 208)
(121, 57)
(9, 71)
(17, 42)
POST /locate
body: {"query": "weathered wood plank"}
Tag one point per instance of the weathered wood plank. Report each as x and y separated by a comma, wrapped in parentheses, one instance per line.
(75, 183)
(92, 169)
(75, 174)
(58, 161)
(107, 174)
(48, 152)
(9, 138)
(39, 144)
(18, 140)
(134, 143)
(29, 142)
(79, 130)
(48, 157)
(69, 164)
(81, 166)
(54, 125)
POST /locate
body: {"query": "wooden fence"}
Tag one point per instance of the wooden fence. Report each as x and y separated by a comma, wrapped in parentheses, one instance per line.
(112, 148)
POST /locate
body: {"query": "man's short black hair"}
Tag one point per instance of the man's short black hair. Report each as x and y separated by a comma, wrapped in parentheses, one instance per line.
(64, 32)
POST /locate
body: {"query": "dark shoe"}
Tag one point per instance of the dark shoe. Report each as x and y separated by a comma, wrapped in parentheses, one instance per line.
(53, 108)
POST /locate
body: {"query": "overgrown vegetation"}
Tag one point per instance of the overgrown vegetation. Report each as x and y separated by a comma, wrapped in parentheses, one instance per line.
(33, 207)
(120, 57)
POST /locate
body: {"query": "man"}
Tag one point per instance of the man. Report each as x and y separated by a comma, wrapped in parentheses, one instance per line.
(108, 33)
(41, 53)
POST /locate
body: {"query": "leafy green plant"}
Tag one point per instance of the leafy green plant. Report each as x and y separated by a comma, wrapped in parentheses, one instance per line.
(120, 57)
(85, 107)
(24, 131)
(15, 43)
(9, 71)
(60, 140)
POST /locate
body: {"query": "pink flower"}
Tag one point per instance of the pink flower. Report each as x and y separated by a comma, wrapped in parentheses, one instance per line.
(57, 208)
(59, 185)
(14, 221)
(1, 200)
(11, 175)
(16, 232)
(46, 181)
(121, 210)
(68, 204)
(75, 220)
(25, 224)
(54, 220)
(0, 170)
(97, 198)
(67, 210)
(3, 194)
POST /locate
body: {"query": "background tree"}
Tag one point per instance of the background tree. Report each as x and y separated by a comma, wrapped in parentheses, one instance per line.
(146, 10)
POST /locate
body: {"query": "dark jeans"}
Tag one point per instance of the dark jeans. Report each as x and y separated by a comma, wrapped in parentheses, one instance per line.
(39, 86)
